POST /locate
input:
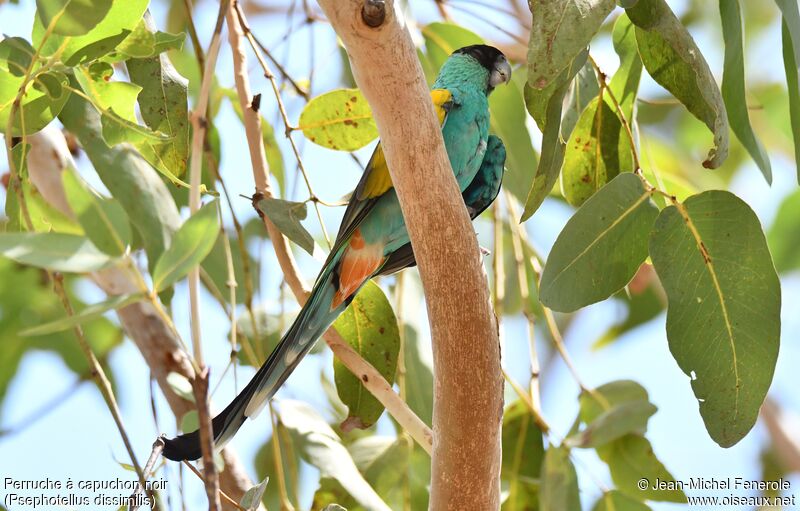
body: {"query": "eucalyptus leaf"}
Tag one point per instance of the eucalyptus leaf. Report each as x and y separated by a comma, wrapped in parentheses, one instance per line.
(131, 181)
(630, 417)
(190, 246)
(340, 119)
(322, 448)
(286, 216)
(251, 500)
(615, 500)
(42, 101)
(118, 22)
(631, 459)
(523, 453)
(560, 30)
(673, 59)
(784, 235)
(790, 34)
(545, 107)
(103, 220)
(723, 318)
(66, 253)
(72, 17)
(163, 103)
(369, 326)
(599, 147)
(733, 85)
(559, 483)
(87, 314)
(601, 247)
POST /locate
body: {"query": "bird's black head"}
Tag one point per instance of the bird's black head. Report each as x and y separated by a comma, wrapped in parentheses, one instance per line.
(492, 60)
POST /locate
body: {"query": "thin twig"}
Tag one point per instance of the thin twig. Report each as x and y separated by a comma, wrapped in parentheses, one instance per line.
(200, 383)
(282, 109)
(158, 447)
(622, 117)
(524, 292)
(220, 492)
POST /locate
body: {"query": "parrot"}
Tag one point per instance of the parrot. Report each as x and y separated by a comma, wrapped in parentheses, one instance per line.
(372, 238)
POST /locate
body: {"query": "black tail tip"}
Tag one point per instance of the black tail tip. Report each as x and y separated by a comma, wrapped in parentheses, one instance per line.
(183, 447)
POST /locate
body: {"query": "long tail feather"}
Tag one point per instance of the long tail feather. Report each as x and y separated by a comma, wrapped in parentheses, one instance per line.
(314, 318)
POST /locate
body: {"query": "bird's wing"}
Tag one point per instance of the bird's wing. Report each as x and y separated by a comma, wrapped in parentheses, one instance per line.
(376, 180)
(478, 196)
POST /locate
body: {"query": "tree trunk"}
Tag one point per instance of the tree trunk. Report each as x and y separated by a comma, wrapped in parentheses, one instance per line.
(468, 388)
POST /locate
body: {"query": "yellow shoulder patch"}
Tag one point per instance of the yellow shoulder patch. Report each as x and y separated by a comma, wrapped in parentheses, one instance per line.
(379, 181)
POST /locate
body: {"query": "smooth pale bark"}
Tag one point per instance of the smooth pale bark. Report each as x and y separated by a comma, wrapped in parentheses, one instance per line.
(468, 397)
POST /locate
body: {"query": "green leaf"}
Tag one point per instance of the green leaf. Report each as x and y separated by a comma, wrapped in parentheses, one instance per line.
(790, 33)
(723, 319)
(104, 221)
(599, 147)
(523, 452)
(560, 30)
(286, 216)
(16, 54)
(507, 107)
(115, 26)
(597, 150)
(145, 42)
(583, 89)
(675, 62)
(163, 103)
(601, 247)
(733, 85)
(116, 101)
(610, 412)
(603, 398)
(322, 448)
(89, 313)
(43, 99)
(559, 485)
(215, 267)
(370, 327)
(631, 459)
(66, 253)
(340, 119)
(72, 17)
(615, 500)
(625, 82)
(290, 462)
(251, 500)
(545, 106)
(134, 183)
(191, 244)
(784, 235)
(385, 463)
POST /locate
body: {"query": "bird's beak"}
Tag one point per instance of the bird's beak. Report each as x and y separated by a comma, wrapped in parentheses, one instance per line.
(501, 73)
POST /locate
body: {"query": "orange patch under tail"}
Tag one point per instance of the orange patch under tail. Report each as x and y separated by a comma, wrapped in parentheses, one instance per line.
(359, 262)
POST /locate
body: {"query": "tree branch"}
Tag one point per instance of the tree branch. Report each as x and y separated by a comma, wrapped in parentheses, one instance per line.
(468, 388)
(369, 376)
